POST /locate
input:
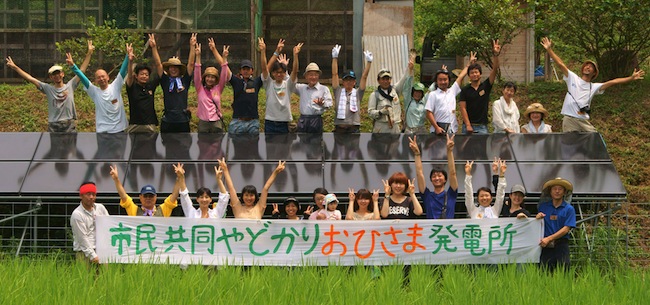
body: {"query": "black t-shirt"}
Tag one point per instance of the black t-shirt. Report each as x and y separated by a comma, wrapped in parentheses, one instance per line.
(175, 99)
(245, 94)
(141, 103)
(477, 102)
(403, 210)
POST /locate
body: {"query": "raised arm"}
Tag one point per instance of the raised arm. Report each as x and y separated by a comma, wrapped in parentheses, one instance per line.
(265, 68)
(451, 164)
(399, 87)
(82, 77)
(156, 57)
(463, 73)
(385, 205)
(224, 198)
(190, 59)
(186, 201)
(215, 52)
(234, 199)
(637, 74)
(86, 62)
(417, 207)
(127, 59)
(335, 70)
(349, 214)
(28, 77)
(418, 163)
(180, 182)
(118, 185)
(375, 205)
(364, 76)
(469, 191)
(294, 70)
(496, 50)
(501, 187)
(130, 73)
(261, 204)
(548, 45)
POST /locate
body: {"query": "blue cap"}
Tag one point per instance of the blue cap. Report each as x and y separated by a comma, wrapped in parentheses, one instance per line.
(350, 74)
(148, 189)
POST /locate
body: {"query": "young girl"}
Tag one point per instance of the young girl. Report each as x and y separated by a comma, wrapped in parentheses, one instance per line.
(536, 113)
(291, 209)
(209, 87)
(203, 197)
(329, 212)
(253, 206)
(484, 208)
(396, 204)
(359, 207)
(319, 196)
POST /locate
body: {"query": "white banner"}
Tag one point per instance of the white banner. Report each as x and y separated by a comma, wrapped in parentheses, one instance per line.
(124, 239)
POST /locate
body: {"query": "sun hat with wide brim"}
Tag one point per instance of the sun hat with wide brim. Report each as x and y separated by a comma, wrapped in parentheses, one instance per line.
(312, 66)
(535, 107)
(558, 181)
(174, 62)
(591, 62)
(210, 71)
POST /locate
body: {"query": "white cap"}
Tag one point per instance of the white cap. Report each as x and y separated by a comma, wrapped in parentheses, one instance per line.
(54, 69)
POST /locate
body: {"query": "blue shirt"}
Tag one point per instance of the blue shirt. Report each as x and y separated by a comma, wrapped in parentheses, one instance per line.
(434, 203)
(557, 218)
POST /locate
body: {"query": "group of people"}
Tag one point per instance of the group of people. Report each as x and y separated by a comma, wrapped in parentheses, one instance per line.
(436, 106)
(401, 200)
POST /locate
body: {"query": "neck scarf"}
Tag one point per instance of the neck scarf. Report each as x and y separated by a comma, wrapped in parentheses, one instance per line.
(176, 81)
(147, 212)
(532, 129)
(486, 212)
(386, 95)
(343, 101)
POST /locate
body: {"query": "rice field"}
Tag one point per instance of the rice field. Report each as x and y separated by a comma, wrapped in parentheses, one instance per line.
(58, 281)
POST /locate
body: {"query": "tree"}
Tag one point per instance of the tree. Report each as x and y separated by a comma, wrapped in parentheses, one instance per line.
(108, 40)
(614, 33)
(462, 26)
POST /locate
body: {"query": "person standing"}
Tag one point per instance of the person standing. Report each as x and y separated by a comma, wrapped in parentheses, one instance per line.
(82, 222)
(110, 116)
(581, 90)
(475, 97)
(141, 89)
(536, 114)
(246, 88)
(209, 87)
(148, 199)
(62, 114)
(439, 203)
(384, 106)
(559, 218)
(347, 98)
(175, 79)
(505, 114)
(278, 89)
(315, 98)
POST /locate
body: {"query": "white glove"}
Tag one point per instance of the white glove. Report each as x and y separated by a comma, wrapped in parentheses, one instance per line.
(335, 51)
(368, 55)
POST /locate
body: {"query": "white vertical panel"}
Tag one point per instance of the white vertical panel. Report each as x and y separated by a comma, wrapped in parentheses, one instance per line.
(389, 52)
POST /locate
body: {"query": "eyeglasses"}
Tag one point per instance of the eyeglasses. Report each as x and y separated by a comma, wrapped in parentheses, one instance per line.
(148, 196)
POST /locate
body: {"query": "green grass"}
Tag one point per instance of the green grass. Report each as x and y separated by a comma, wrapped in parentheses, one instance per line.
(56, 281)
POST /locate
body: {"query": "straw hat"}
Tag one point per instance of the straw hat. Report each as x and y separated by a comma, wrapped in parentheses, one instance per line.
(558, 181)
(587, 62)
(174, 61)
(536, 107)
(211, 71)
(312, 66)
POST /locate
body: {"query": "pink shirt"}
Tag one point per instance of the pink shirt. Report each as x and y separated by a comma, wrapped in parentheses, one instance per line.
(206, 110)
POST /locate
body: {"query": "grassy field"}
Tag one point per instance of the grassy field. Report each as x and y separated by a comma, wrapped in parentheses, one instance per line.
(53, 281)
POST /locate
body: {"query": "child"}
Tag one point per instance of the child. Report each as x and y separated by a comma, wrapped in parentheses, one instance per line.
(484, 208)
(360, 208)
(329, 212)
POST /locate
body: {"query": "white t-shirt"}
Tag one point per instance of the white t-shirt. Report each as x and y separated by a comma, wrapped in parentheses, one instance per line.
(278, 99)
(579, 95)
(443, 106)
(110, 116)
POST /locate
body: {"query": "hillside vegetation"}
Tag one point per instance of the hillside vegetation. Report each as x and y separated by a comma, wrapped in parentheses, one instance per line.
(620, 115)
